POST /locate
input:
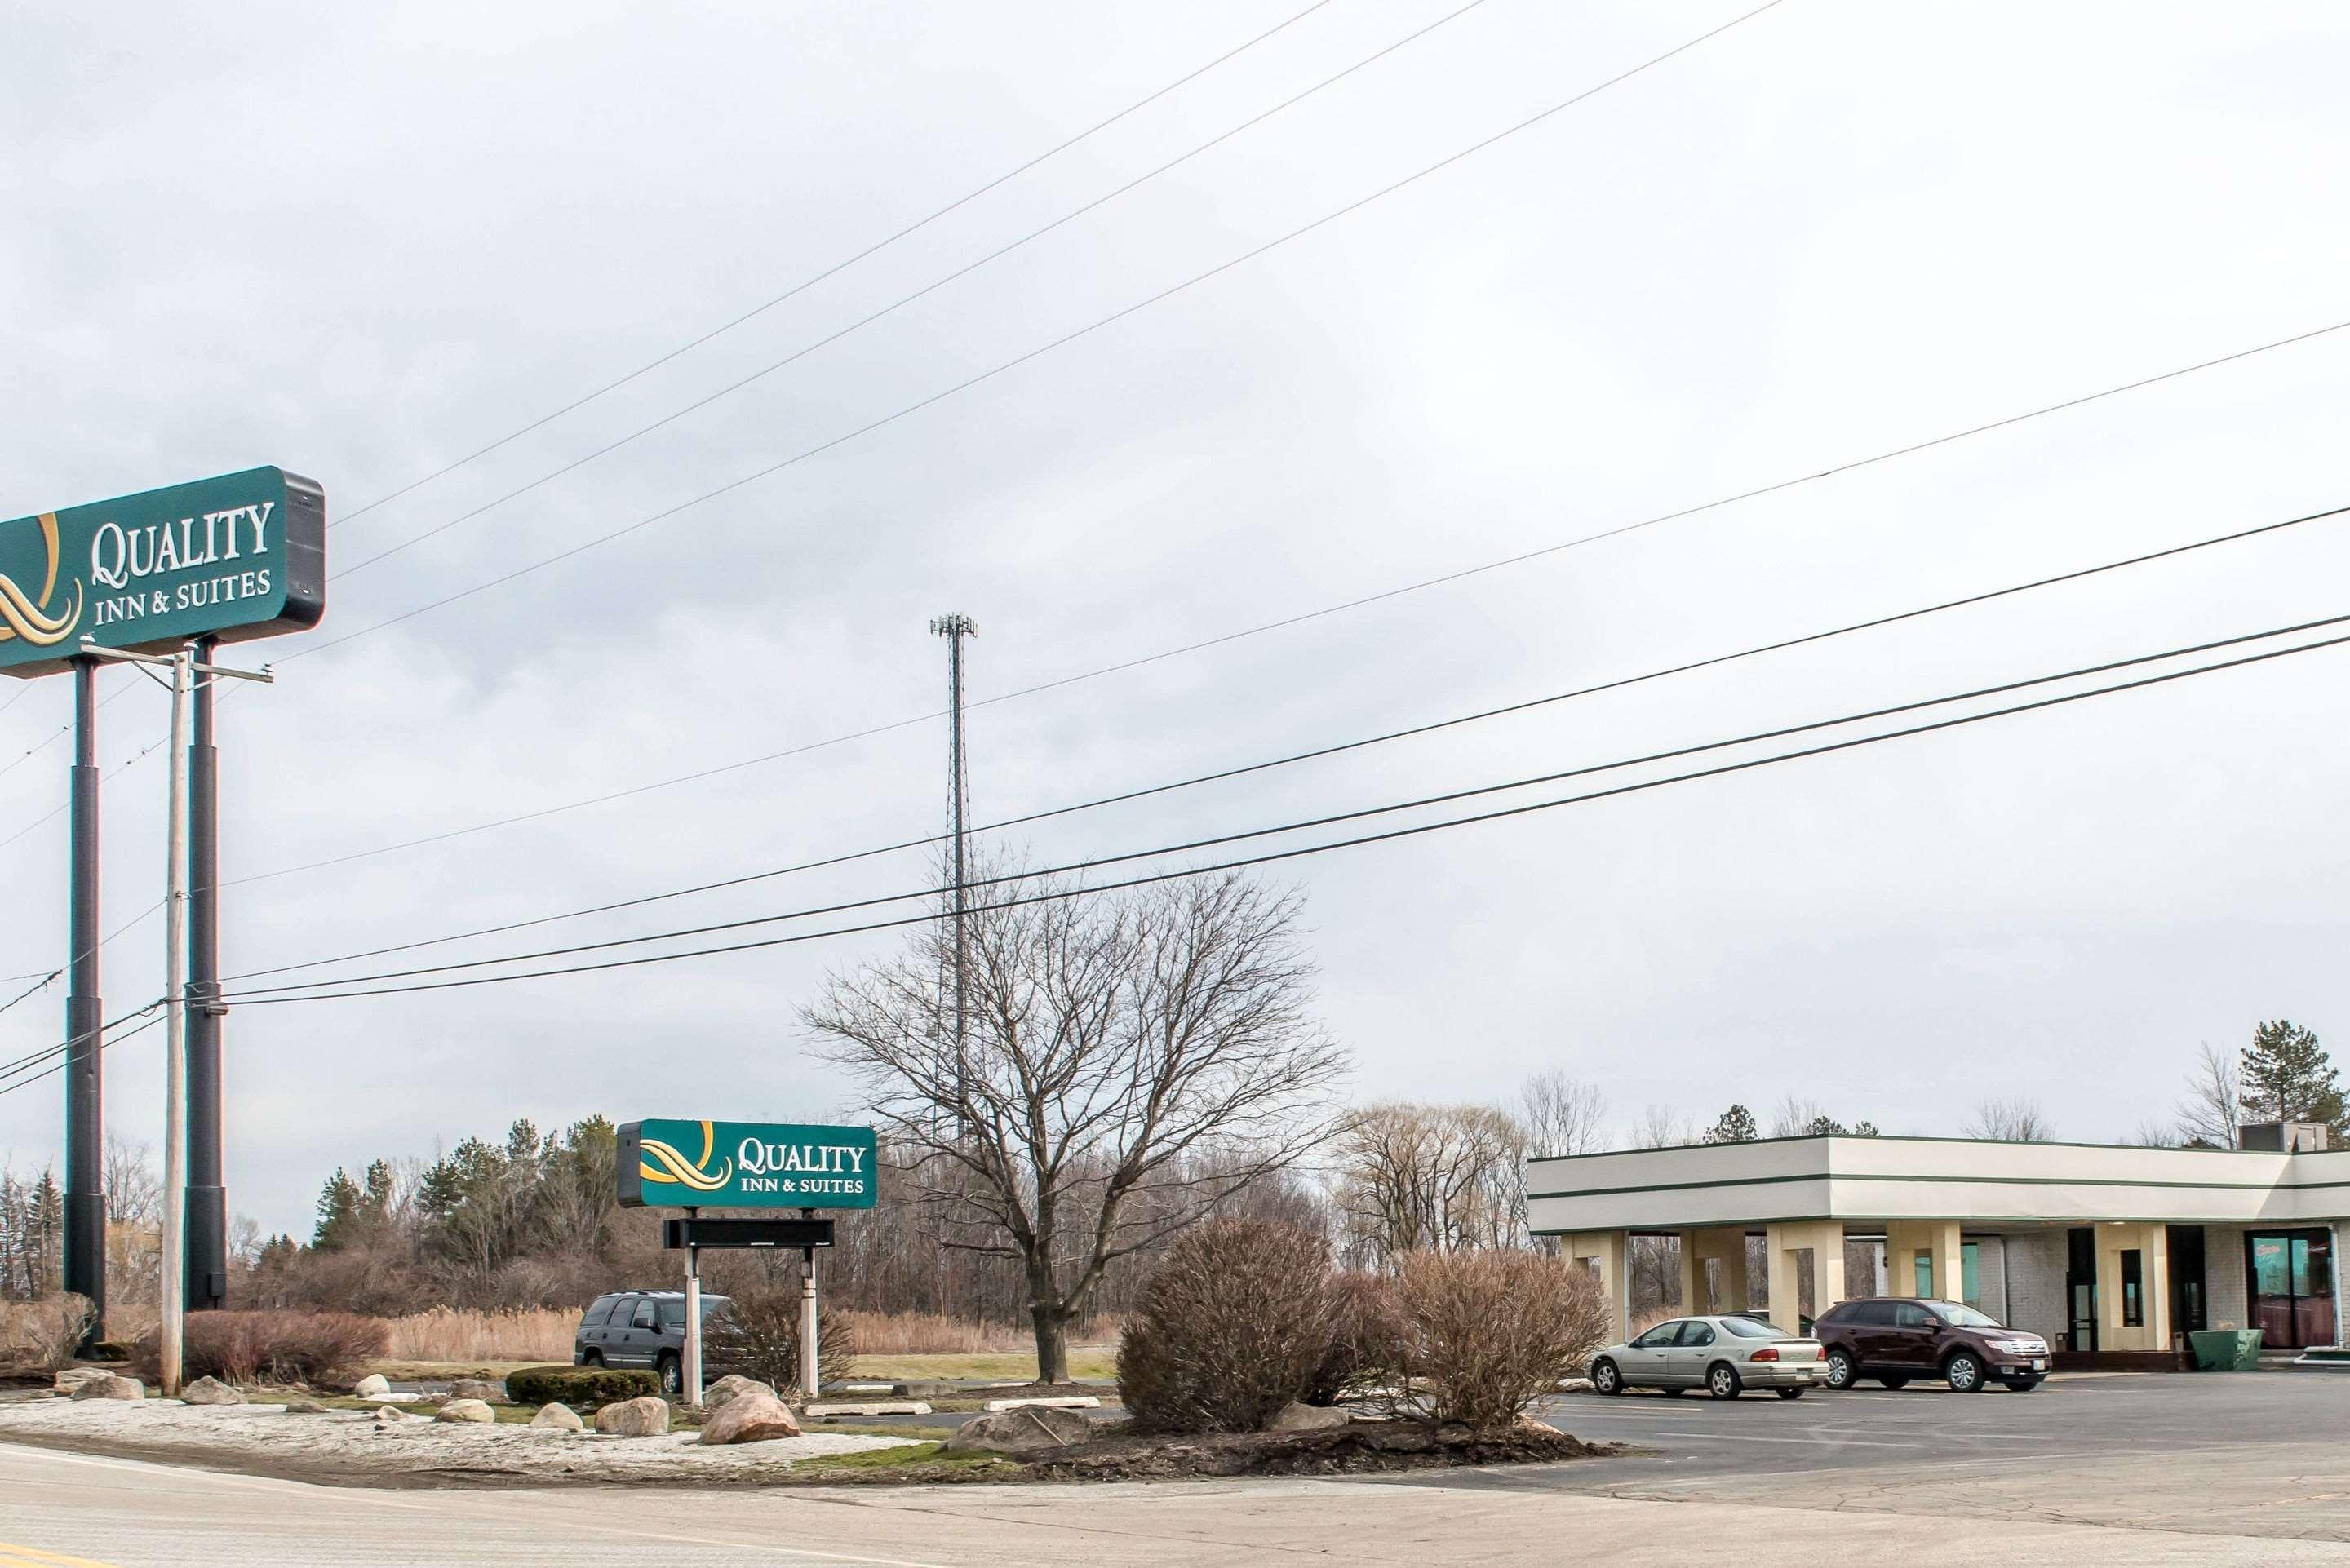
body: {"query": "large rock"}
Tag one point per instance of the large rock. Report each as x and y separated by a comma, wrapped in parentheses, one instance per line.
(371, 1387)
(302, 1405)
(560, 1415)
(640, 1418)
(393, 1415)
(733, 1386)
(69, 1379)
(754, 1415)
(111, 1387)
(1297, 1417)
(211, 1391)
(477, 1388)
(474, 1411)
(1021, 1432)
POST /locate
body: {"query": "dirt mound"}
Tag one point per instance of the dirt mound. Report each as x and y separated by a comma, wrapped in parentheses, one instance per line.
(1362, 1447)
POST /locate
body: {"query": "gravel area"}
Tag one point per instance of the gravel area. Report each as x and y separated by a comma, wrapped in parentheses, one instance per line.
(348, 1447)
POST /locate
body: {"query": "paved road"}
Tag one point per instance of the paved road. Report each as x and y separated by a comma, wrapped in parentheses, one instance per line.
(2154, 1471)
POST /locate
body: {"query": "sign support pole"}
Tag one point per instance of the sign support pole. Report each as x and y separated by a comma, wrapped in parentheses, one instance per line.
(691, 1390)
(84, 1237)
(807, 1316)
(172, 1271)
(207, 1229)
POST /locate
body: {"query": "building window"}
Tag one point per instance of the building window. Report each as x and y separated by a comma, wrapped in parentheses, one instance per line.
(1970, 1279)
(1922, 1274)
(2133, 1295)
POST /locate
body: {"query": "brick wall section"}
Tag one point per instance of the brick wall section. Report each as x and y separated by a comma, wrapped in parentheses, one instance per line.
(2035, 1283)
(2226, 1298)
(1990, 1274)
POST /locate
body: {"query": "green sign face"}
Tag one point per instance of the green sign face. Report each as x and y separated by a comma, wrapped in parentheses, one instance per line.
(240, 556)
(746, 1165)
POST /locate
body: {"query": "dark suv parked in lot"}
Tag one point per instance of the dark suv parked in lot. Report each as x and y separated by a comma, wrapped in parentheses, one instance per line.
(1894, 1339)
(646, 1328)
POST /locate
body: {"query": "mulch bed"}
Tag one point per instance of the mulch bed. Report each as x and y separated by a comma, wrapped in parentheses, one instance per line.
(1362, 1448)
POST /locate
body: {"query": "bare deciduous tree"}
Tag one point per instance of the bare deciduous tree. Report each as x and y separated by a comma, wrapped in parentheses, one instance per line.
(1661, 1128)
(1416, 1179)
(2014, 1120)
(1562, 1114)
(2212, 1111)
(1113, 1043)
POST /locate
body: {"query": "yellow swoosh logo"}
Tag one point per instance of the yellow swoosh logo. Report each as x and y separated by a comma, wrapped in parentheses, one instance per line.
(656, 1161)
(23, 616)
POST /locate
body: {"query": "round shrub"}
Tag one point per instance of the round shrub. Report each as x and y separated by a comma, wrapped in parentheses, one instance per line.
(1234, 1324)
(584, 1388)
(1481, 1336)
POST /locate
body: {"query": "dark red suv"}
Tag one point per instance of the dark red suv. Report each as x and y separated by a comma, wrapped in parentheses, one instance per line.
(1894, 1339)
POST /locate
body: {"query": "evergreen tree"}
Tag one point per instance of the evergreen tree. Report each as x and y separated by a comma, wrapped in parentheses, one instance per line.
(2288, 1078)
(338, 1207)
(1736, 1125)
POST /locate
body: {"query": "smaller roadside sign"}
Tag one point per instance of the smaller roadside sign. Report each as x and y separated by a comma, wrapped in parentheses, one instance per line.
(746, 1164)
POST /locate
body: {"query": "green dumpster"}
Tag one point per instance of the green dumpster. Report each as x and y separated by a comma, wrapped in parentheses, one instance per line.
(2226, 1349)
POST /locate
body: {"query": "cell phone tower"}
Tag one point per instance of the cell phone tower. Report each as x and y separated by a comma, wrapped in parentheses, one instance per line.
(954, 628)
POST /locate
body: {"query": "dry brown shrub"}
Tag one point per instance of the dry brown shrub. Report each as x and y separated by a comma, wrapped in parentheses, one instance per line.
(40, 1335)
(1486, 1334)
(761, 1334)
(327, 1349)
(933, 1334)
(1365, 1320)
(1235, 1324)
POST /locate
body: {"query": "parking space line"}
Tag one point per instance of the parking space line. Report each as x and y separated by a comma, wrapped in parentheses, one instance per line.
(1815, 1442)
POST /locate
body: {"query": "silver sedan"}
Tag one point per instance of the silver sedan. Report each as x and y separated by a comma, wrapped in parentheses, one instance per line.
(1724, 1355)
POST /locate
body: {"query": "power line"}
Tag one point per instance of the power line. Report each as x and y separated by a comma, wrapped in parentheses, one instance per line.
(866, 733)
(1039, 352)
(838, 266)
(104, 1046)
(891, 309)
(1313, 753)
(263, 994)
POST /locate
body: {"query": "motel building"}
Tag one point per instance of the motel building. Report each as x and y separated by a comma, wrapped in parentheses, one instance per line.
(2107, 1252)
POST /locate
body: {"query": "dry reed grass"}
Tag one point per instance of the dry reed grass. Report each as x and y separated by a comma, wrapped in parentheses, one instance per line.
(546, 1334)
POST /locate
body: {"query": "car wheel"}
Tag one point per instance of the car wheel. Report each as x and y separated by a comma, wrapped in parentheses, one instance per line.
(1791, 1393)
(1964, 1373)
(1895, 1382)
(593, 1358)
(1842, 1373)
(1722, 1381)
(2023, 1385)
(1606, 1378)
(672, 1377)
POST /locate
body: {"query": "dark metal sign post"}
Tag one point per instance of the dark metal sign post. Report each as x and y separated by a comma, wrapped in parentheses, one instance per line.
(207, 1200)
(692, 1234)
(84, 1237)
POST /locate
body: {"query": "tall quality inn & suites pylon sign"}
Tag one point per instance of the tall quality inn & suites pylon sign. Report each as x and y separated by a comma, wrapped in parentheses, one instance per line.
(161, 579)
(240, 556)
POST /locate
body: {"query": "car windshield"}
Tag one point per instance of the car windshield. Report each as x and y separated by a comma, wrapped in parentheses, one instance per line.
(1958, 1315)
(1750, 1328)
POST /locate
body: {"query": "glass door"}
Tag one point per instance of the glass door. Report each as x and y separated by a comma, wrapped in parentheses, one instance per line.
(2291, 1278)
(2081, 1289)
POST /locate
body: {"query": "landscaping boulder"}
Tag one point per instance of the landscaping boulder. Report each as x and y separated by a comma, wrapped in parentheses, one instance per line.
(371, 1387)
(754, 1415)
(1018, 1432)
(393, 1415)
(303, 1404)
(644, 1418)
(560, 1415)
(111, 1387)
(69, 1379)
(1297, 1417)
(210, 1391)
(730, 1386)
(476, 1388)
(475, 1410)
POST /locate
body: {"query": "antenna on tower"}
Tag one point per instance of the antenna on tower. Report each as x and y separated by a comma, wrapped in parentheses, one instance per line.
(954, 628)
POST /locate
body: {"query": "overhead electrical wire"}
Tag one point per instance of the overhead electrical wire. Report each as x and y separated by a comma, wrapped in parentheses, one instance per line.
(1319, 752)
(1039, 352)
(324, 990)
(864, 321)
(1807, 477)
(59, 1051)
(837, 267)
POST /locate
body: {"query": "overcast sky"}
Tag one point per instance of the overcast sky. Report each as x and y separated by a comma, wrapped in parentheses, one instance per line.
(362, 240)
